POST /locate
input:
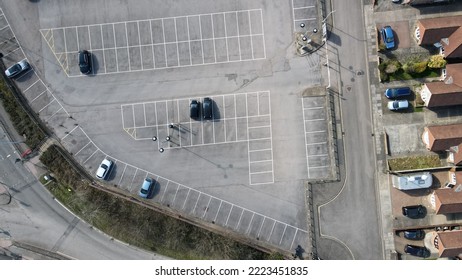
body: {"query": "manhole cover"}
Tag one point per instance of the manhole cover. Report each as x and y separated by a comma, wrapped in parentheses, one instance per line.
(348, 88)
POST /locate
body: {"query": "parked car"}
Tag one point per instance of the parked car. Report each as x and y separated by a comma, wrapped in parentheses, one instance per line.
(103, 169)
(194, 109)
(387, 37)
(417, 251)
(398, 105)
(17, 68)
(146, 188)
(207, 108)
(414, 211)
(393, 93)
(414, 234)
(85, 62)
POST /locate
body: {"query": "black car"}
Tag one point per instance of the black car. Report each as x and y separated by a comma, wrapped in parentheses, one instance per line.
(207, 109)
(414, 234)
(85, 62)
(417, 251)
(194, 109)
(414, 211)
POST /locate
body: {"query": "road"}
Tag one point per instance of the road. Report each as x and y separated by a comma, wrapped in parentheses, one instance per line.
(35, 218)
(350, 218)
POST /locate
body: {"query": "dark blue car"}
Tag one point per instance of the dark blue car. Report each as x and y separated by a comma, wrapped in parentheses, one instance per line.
(414, 234)
(387, 37)
(417, 251)
(393, 93)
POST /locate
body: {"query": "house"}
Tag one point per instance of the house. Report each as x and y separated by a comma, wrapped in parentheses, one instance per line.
(447, 92)
(413, 181)
(455, 155)
(442, 32)
(448, 243)
(454, 178)
(442, 137)
(448, 200)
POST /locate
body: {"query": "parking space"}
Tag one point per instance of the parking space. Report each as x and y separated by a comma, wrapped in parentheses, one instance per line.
(243, 117)
(40, 98)
(318, 152)
(188, 200)
(161, 43)
(305, 12)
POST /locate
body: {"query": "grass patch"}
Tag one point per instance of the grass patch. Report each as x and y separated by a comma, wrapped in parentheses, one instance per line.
(137, 225)
(418, 109)
(401, 75)
(417, 162)
(20, 119)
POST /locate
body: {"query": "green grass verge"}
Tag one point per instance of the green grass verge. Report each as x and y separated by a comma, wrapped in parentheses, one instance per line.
(21, 121)
(138, 225)
(418, 109)
(401, 75)
(417, 162)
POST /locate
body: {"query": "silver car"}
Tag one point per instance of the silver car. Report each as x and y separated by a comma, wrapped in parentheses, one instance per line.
(146, 188)
(17, 68)
(398, 105)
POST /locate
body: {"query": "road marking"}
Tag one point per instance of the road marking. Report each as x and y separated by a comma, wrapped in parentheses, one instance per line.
(139, 42)
(165, 191)
(30, 86)
(115, 44)
(38, 96)
(82, 148)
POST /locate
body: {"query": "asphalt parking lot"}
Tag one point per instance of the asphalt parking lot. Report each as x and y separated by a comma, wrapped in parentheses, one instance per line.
(243, 170)
(242, 117)
(151, 44)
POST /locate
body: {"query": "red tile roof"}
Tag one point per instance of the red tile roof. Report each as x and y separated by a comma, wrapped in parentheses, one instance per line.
(448, 201)
(444, 94)
(450, 243)
(453, 48)
(449, 92)
(442, 137)
(432, 30)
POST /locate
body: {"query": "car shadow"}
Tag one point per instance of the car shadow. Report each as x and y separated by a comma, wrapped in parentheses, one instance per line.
(216, 116)
(155, 190)
(94, 65)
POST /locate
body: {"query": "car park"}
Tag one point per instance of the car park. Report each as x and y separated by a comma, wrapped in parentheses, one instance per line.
(414, 234)
(85, 62)
(194, 109)
(397, 105)
(207, 109)
(103, 169)
(146, 188)
(393, 93)
(417, 251)
(17, 69)
(414, 211)
(387, 37)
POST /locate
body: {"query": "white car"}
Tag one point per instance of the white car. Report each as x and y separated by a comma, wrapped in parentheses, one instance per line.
(103, 169)
(398, 105)
(17, 68)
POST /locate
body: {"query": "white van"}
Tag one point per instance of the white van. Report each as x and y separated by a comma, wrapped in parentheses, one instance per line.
(413, 181)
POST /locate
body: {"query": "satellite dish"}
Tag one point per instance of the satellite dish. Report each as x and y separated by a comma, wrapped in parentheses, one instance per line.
(458, 189)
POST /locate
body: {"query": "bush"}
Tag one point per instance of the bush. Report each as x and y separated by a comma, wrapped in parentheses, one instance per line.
(437, 61)
(20, 119)
(420, 67)
(415, 64)
(392, 66)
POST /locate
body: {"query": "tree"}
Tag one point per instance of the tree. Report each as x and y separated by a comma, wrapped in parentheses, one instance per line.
(437, 61)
